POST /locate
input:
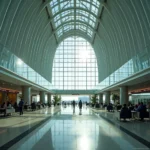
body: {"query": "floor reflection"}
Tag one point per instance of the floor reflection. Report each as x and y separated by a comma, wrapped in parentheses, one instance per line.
(73, 134)
(70, 131)
(75, 111)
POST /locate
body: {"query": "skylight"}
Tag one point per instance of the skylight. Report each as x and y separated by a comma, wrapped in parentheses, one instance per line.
(78, 15)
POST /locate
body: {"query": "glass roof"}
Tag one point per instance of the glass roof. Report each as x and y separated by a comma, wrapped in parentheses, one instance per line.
(78, 15)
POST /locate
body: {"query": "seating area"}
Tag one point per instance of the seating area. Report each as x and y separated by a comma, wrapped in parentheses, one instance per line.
(35, 106)
(122, 112)
(134, 115)
(110, 108)
(124, 116)
(6, 111)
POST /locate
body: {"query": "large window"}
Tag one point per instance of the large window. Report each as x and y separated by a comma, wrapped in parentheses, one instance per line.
(68, 15)
(75, 65)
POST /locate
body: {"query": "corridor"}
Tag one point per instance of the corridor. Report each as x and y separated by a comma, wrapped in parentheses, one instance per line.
(67, 130)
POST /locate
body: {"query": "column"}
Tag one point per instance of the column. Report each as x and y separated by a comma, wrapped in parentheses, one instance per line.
(42, 96)
(107, 97)
(101, 98)
(124, 95)
(26, 94)
(49, 98)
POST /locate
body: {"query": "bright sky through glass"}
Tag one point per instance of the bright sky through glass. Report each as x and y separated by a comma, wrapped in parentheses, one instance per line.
(75, 65)
(75, 15)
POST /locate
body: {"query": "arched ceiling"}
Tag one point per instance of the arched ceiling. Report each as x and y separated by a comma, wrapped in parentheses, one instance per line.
(79, 15)
(118, 30)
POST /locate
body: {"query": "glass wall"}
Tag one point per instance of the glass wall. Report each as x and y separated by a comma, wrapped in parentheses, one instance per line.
(83, 18)
(123, 72)
(138, 63)
(27, 72)
(16, 65)
(75, 65)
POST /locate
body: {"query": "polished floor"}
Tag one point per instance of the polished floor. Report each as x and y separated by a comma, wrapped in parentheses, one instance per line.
(67, 129)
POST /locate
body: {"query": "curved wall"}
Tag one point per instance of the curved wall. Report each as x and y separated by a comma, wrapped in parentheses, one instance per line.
(124, 32)
(25, 31)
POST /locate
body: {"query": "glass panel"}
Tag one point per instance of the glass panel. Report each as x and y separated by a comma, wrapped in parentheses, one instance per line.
(78, 66)
(70, 15)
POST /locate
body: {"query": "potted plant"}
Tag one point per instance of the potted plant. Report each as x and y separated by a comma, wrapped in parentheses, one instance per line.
(56, 99)
(115, 97)
(94, 100)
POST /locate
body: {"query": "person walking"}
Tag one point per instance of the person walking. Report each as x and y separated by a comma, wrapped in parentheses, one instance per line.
(73, 104)
(21, 106)
(80, 107)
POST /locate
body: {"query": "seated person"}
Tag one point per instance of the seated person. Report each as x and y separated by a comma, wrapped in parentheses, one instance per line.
(8, 103)
(118, 106)
(110, 107)
(15, 106)
(131, 107)
(124, 112)
(33, 106)
(142, 109)
(9, 106)
(4, 105)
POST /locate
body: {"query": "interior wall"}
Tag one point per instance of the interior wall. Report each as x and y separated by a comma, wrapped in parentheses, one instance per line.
(12, 97)
(25, 31)
(124, 32)
(7, 96)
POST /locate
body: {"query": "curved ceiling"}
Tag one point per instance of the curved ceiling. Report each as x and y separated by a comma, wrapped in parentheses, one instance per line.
(77, 15)
(118, 30)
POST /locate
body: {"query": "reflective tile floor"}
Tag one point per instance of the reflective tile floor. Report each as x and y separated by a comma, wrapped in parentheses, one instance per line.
(70, 130)
(12, 127)
(141, 129)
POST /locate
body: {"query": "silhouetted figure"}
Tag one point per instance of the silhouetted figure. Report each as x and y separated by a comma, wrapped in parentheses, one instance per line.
(110, 107)
(142, 109)
(21, 106)
(4, 106)
(80, 106)
(124, 112)
(15, 106)
(73, 104)
(33, 106)
(8, 103)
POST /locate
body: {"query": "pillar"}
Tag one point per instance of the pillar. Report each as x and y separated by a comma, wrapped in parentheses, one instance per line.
(42, 96)
(124, 95)
(49, 98)
(107, 97)
(101, 98)
(26, 94)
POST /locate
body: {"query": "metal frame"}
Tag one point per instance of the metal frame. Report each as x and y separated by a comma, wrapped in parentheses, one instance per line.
(75, 22)
(74, 75)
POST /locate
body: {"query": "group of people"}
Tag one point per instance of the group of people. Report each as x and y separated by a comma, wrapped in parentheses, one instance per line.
(140, 107)
(125, 110)
(80, 106)
(8, 104)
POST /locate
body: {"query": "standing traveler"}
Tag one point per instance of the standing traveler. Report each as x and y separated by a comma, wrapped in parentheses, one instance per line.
(21, 106)
(80, 107)
(73, 104)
